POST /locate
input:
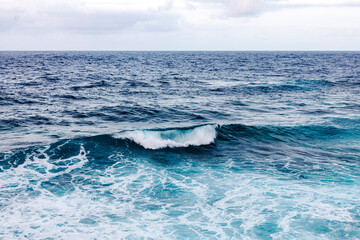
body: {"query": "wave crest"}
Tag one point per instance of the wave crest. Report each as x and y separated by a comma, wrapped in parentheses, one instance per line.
(156, 139)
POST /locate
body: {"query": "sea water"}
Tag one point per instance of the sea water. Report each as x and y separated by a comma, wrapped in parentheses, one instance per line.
(179, 145)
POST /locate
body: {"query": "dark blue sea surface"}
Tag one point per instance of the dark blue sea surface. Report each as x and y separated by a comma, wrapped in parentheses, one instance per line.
(180, 145)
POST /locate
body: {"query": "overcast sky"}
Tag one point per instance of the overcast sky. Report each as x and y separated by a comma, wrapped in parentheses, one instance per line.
(179, 25)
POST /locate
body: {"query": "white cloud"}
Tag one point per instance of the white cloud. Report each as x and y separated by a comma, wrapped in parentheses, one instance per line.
(179, 24)
(89, 17)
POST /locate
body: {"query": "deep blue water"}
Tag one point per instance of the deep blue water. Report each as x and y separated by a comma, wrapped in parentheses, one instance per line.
(180, 145)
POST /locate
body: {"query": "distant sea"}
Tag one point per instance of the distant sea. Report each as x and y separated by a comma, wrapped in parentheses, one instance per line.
(180, 145)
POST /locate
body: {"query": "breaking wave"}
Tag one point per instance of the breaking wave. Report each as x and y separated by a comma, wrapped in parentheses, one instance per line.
(162, 138)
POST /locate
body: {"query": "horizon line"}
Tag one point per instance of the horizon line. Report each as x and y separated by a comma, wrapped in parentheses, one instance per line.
(113, 50)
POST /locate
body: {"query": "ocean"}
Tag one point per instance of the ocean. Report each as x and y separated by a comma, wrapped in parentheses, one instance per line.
(179, 145)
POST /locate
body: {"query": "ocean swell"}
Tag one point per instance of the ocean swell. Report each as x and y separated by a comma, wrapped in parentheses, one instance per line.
(163, 138)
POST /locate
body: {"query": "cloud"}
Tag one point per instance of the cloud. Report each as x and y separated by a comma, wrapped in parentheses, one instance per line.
(113, 16)
(230, 8)
(244, 7)
(178, 24)
(110, 21)
(289, 4)
(41, 17)
(8, 21)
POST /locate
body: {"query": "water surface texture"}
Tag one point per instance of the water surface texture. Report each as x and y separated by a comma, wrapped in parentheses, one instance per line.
(180, 145)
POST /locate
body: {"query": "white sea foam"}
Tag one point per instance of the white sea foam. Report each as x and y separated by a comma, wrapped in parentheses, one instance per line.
(151, 139)
(138, 199)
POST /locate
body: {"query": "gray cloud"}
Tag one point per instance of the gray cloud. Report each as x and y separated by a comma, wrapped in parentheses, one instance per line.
(249, 8)
(232, 8)
(107, 22)
(283, 4)
(241, 8)
(246, 8)
(69, 19)
(183, 24)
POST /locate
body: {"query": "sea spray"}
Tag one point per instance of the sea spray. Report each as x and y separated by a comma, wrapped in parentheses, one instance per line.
(156, 139)
(222, 145)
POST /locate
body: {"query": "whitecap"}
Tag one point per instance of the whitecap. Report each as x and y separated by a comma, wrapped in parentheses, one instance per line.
(156, 139)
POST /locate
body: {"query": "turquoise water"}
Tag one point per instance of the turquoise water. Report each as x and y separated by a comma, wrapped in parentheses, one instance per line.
(179, 145)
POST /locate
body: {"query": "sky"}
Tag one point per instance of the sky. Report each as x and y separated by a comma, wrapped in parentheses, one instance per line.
(179, 25)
